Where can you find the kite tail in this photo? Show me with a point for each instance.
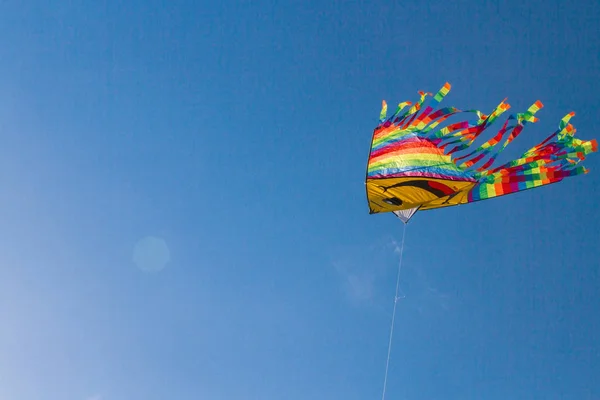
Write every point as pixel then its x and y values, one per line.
pixel 514 126
pixel 552 160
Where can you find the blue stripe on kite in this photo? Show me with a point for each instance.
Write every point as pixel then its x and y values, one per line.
pixel 442 172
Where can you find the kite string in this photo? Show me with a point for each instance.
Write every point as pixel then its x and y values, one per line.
pixel 387 363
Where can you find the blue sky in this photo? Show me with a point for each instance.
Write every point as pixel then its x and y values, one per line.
pixel 236 133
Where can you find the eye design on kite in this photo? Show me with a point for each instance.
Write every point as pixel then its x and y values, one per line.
pixel 393 201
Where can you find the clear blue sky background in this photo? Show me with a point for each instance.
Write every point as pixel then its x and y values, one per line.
pixel 238 132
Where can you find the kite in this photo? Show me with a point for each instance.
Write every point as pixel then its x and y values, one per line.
pixel 414 165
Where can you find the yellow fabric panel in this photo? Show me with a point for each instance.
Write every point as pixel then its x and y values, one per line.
pixel 392 194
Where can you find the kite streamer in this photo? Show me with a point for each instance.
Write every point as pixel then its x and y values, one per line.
pixel 413 163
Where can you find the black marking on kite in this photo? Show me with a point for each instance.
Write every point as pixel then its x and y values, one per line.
pixel 418 184
pixel 393 201
pixel 450 197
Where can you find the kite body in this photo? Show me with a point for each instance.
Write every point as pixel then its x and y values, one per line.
pixel 414 165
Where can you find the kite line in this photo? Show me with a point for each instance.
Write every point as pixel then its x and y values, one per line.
pixel 387 363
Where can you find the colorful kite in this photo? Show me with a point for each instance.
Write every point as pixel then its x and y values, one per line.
pixel 413 166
